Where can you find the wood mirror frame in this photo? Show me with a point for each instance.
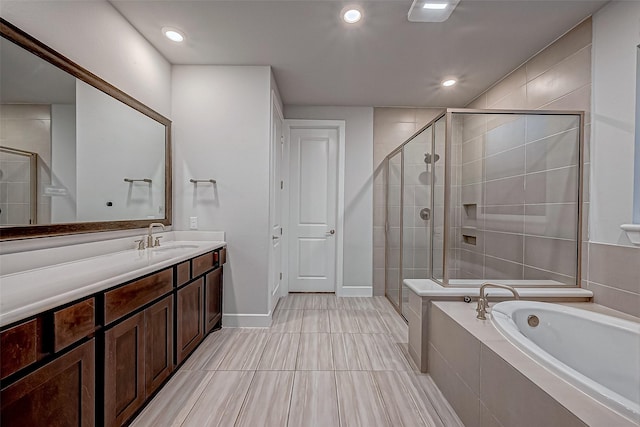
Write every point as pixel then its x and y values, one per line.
pixel 30 44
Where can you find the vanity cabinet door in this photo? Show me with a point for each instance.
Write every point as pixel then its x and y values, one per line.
pixel 158 361
pixel 213 299
pixel 124 379
pixel 190 320
pixel 61 393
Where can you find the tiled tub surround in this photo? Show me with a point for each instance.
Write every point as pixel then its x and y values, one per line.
pixel 422 292
pixel 35 281
pixel 562 339
pixel 472 363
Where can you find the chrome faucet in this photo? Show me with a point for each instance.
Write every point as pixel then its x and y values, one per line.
pixel 150 241
pixel 483 302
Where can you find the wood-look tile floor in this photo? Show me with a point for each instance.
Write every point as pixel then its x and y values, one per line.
pixel 325 362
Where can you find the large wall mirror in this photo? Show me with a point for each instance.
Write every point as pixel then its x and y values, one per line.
pixel 76 154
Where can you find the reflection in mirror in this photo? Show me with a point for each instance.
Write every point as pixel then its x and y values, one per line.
pixel 74 149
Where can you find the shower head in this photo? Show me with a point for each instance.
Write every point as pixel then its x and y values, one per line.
pixel 428 158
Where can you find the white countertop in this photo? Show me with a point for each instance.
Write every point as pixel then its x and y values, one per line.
pixel 29 292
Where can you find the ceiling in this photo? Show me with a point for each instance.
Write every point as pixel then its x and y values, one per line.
pixel 384 60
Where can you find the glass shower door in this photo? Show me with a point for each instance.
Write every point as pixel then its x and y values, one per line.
pixel 418 160
pixel 393 228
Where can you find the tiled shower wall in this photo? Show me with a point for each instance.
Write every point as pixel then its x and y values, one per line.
pixel 515 215
pixel 391 127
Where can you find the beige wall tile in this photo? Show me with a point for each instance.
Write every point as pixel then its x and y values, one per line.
pixel 609 265
pixel 574 40
pixel 507 246
pixel 540 127
pixel 554 186
pixel 553 152
pixel 627 302
pixel 506 164
pixel 507 85
pixel 552 220
pixel 525 405
pixel 509 134
pixel 551 254
pixel 507 191
pixel 513 101
pixel 465 403
pixel 499 269
pixel 567 76
pixel 578 100
pixel 394 115
pixel 457 347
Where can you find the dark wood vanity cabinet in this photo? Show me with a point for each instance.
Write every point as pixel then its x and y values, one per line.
pixel 213 299
pixel 142 330
pixel 190 318
pixel 138 358
pixel 60 393
pixel 124 370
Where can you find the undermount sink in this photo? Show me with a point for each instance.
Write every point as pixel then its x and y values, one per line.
pixel 173 248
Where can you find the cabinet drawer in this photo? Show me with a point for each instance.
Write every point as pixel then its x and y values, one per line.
pixel 202 264
pixel 124 300
pixel 20 346
pixel 73 323
pixel 223 256
pixel 183 273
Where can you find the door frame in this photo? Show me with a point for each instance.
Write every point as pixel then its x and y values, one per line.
pixel 274 296
pixel 340 127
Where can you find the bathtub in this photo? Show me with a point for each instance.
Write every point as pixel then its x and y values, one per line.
pixel 598 354
pixel 422 292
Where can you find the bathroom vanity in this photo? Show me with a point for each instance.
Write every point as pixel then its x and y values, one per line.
pixel 93 354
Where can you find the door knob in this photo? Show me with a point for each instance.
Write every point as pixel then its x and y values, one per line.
pixel 275 237
pixel 332 232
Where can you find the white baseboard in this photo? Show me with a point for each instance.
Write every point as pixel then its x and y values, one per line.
pixel 247 320
pixel 355 291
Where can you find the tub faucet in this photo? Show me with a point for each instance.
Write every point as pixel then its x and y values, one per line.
pixel 483 302
pixel 150 242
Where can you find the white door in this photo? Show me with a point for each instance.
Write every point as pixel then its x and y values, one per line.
pixel 275 203
pixel 313 209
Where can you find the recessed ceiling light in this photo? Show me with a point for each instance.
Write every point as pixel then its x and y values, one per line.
pixel 352 16
pixel 434 6
pixel 448 82
pixel 173 34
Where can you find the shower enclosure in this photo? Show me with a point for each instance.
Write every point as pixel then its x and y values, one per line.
pixel 486 195
pixel 18 186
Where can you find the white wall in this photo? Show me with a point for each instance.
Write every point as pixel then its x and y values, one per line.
pixel 221 131
pixel 616 35
pixel 63 161
pixel 358 188
pixel 95 35
pixel 115 142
